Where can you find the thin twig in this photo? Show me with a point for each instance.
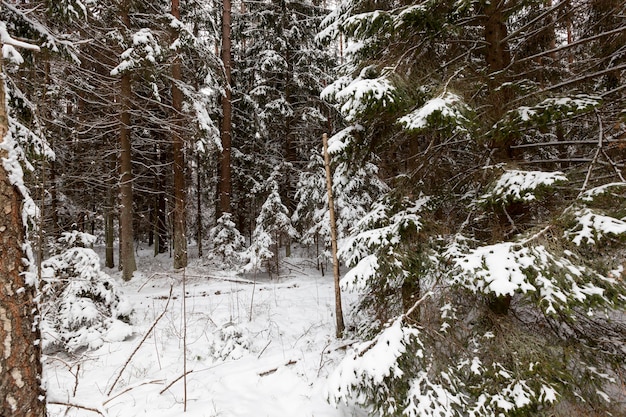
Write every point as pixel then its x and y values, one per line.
pixel 175 381
pixel 263 350
pixel 142 340
pixel 130 388
pixel 535 236
pixel 509 217
pixel 319 368
pixel 595 157
pixel 82 407
pixel 417 303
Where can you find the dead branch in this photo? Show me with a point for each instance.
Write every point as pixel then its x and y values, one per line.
pixel 175 381
pixel 82 407
pixel 154 381
pixel 271 371
pixel 141 342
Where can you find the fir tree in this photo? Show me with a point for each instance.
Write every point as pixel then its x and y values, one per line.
pixel 477 297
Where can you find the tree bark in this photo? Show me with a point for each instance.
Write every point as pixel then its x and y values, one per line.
pixel 225 183
pixel 109 216
pixel 127 258
pixel 497 58
pixel 199 207
pixel 333 241
pixel 20 364
pixel 180 238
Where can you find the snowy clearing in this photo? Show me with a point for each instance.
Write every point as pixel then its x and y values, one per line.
pixel 274 365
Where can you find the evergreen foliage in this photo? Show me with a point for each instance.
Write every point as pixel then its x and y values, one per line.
pixel 82 306
pixel 227 241
pixel 477 292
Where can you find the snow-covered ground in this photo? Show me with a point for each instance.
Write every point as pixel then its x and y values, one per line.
pixel 263 349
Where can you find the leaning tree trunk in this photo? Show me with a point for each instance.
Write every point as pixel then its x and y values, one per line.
pixel 180 238
pixel 20 366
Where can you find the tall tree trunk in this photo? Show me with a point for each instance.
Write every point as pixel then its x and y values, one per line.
pixel 127 257
pixel 225 184
pixel 333 241
pixel 497 58
pixel 180 238
pixel 54 201
pixel 160 226
pixel 109 215
pixel 199 206
pixel 20 366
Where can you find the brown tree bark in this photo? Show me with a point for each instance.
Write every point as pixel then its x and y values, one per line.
pixel 20 366
pixel 225 183
pixel 180 238
pixel 199 207
pixel 497 58
pixel 127 254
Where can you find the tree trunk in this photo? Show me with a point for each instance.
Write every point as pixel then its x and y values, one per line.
pixel 225 184
pixel 127 258
pixel 180 238
pixel 199 207
pixel 109 216
pixel 20 366
pixel 333 241
pixel 497 58
pixel 160 225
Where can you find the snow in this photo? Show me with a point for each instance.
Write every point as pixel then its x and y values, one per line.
pixel 342 139
pixel 447 105
pixel 515 185
pixel 603 189
pixel 567 105
pixel 497 268
pixel 371 362
pixel 6 39
pixel 145 51
pixel 275 365
pixel 591 227
pixel 356 96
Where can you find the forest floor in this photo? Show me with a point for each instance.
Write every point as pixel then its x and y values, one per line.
pixel 253 349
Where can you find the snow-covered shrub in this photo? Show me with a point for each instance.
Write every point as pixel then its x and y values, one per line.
pixel 82 306
pixel 227 241
pixel 228 342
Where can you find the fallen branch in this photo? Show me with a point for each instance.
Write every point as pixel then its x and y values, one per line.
pixel 82 407
pixel 263 350
pixel 174 381
pixel 271 371
pixel 119 375
pixel 130 388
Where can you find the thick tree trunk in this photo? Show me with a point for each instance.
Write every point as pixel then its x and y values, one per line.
pixel 497 58
pixel 180 238
pixel 127 257
pixel 20 366
pixel 225 184
pixel 333 241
